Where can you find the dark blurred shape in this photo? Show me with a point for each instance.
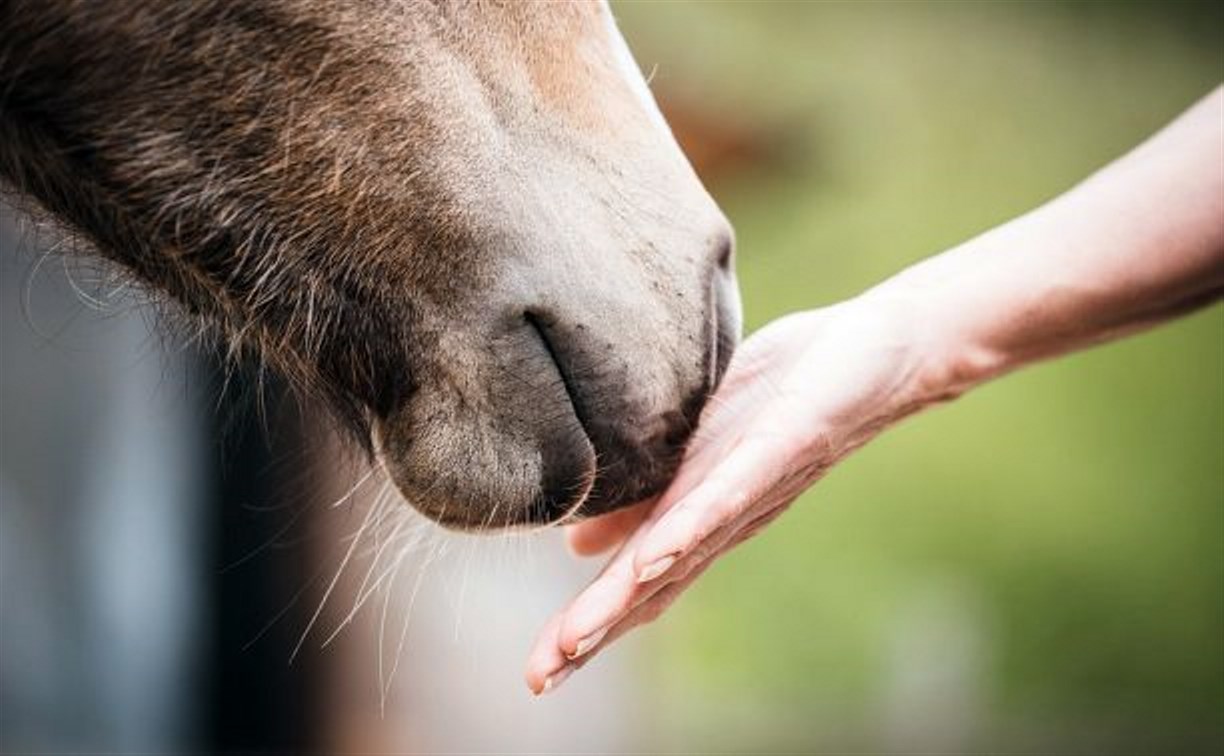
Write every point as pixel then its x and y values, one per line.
pixel 262 579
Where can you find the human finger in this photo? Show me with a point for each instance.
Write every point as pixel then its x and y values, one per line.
pixel 599 534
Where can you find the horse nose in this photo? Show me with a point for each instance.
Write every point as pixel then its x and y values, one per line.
pixel 640 414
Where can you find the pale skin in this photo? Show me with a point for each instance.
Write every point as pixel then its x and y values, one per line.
pixel 1138 243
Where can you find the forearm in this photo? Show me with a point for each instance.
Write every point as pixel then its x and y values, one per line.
pixel 1137 243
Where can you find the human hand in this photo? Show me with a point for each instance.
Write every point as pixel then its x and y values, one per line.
pixel 810 388
pixel 799 395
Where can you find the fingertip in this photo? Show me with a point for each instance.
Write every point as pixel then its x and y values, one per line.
pixel 574 626
pixel 544 658
pixel 650 570
pixel 539 667
pixel 553 681
pixel 534 681
pixel 670 539
pixel 595 609
pixel 569 638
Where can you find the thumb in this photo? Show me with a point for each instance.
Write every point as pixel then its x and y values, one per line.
pixel 599 534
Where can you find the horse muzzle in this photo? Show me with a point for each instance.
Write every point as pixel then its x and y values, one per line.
pixel 576 401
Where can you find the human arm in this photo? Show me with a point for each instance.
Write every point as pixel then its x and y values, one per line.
pixel 1137 243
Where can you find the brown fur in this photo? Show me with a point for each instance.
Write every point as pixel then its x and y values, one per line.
pixel 332 187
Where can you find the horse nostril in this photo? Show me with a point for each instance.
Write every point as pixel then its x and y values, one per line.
pixel 567 454
pixel 725 250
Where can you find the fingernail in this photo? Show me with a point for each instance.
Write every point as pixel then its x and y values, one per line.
pixel 589 642
pixel 553 681
pixel 656 568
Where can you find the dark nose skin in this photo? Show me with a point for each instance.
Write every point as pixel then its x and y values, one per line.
pixel 633 463
pixel 567 477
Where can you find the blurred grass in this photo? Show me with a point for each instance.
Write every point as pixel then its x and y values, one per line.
pixel 1067 522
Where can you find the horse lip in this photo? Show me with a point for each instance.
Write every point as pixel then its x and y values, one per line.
pixel 536 322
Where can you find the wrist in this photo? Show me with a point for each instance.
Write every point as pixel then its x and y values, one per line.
pixel 944 315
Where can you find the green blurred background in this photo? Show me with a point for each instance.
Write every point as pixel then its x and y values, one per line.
pixel 1039 566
